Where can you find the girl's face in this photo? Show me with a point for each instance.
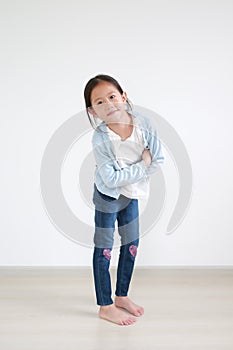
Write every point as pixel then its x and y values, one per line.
pixel 107 103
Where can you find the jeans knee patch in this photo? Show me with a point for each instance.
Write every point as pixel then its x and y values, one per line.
pixel 107 253
pixel 133 250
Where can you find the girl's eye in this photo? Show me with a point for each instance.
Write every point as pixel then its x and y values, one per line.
pixel 112 96
pixel 98 103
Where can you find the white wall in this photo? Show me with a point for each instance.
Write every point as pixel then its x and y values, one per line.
pixel 174 57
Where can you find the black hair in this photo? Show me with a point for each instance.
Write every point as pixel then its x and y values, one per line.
pixel 91 84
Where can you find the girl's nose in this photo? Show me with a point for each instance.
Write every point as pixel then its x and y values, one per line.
pixel 108 104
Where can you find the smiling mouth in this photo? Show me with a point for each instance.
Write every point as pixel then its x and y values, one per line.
pixel 115 110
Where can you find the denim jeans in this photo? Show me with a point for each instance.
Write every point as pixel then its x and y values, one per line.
pixel 107 211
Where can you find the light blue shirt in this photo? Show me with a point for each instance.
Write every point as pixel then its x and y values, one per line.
pixel 109 176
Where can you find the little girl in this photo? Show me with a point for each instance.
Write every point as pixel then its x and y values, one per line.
pixel 126 150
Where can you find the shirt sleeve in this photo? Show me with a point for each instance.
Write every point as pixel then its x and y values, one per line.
pixel 154 145
pixel 112 174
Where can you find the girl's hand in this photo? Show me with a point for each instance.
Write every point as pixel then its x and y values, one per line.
pixel 146 156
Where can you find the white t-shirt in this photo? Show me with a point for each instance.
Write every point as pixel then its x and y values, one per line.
pixel 128 152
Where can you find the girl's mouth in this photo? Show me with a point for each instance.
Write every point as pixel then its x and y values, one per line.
pixel 110 113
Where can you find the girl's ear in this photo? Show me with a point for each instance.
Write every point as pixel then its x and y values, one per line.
pixel 92 112
pixel 124 96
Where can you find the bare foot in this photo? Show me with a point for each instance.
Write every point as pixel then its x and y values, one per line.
pixel 126 303
pixel 113 314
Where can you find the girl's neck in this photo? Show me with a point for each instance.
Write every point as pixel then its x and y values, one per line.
pixel 125 122
pixel 124 128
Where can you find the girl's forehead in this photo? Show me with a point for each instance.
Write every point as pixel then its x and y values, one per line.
pixel 104 85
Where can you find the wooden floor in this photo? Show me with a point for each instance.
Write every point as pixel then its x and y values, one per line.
pixel 54 308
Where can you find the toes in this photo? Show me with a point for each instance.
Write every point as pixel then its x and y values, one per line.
pixel 140 312
pixel 129 321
